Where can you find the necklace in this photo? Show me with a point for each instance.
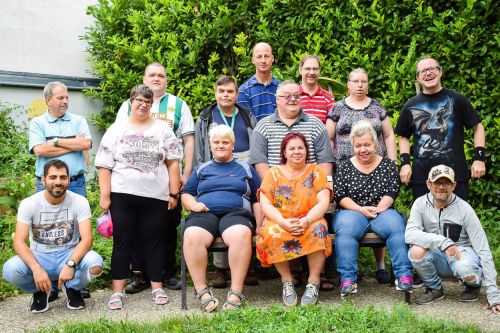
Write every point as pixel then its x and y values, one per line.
pixel 223 116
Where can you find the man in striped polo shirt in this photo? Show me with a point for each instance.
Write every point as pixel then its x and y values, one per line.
pixel 258 93
pixel 175 112
pixel 288 117
pixel 314 99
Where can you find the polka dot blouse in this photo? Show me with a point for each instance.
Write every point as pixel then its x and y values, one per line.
pixel 366 189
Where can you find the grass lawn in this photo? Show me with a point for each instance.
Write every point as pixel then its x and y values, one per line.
pixel 275 319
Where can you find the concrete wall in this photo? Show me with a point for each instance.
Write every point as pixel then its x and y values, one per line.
pixel 43 37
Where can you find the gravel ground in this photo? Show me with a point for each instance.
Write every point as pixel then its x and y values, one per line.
pixel 139 307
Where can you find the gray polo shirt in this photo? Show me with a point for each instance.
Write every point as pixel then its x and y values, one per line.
pixel 270 131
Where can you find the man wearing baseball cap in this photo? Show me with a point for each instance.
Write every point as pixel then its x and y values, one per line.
pixel 447 240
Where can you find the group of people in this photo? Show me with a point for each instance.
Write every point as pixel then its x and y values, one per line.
pixel 259 161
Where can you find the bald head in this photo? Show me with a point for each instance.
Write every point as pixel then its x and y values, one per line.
pixel 262 58
pixel 262 46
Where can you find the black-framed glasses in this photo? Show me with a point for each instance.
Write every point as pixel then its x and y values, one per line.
pixel 431 70
pixel 289 97
pixel 442 184
pixel 141 101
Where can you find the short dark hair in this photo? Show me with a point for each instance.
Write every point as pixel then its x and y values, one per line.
pixel 58 164
pixel 225 79
pixel 286 139
pixel 141 90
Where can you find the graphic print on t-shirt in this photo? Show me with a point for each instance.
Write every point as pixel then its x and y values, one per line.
pixel 141 152
pixel 54 228
pixel 433 125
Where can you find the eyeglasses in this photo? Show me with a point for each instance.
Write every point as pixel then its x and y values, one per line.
pixel 142 101
pixel 310 69
pixel 442 184
pixel 357 82
pixel 431 70
pixel 289 97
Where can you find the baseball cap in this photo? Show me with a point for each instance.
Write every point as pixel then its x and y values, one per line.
pixel 440 171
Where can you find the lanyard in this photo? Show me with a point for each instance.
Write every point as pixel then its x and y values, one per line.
pixel 224 117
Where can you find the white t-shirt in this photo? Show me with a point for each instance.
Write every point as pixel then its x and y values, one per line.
pixel 53 227
pixel 181 124
pixel 137 158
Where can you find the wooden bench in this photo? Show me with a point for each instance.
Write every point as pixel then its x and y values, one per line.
pixel 370 239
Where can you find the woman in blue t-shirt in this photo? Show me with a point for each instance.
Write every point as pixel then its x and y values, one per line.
pixel 220 194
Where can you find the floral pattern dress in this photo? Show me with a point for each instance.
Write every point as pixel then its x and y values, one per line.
pixel 293 198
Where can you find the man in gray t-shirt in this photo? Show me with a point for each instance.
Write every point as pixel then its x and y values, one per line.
pixel 57 223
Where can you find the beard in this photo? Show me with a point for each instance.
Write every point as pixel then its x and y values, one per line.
pixel 56 191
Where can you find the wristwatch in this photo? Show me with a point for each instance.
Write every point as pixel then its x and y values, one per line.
pixel 174 195
pixel 55 141
pixel 71 263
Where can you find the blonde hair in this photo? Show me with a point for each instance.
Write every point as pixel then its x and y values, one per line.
pixel 361 128
pixel 221 131
pixel 358 70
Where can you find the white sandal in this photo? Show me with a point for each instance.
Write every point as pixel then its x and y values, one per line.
pixel 159 296
pixel 116 301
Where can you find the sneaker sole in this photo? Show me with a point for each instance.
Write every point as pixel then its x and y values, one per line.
pixel 468 300
pixel 67 300
pixel 290 305
pixel 430 302
pixel 43 310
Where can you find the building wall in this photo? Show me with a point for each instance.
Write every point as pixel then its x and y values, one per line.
pixel 43 37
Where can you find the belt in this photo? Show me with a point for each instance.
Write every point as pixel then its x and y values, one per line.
pixel 71 179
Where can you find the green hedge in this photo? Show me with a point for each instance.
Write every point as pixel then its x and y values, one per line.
pixel 199 41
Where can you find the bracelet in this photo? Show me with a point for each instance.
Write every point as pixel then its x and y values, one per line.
pixel 405 159
pixel 479 154
pixel 174 195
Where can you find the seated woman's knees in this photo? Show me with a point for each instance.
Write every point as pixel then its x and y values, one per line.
pixel 417 252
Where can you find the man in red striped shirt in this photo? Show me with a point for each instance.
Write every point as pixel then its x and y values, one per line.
pixel 314 99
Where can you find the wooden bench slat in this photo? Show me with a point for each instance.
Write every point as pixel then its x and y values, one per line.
pixel 370 238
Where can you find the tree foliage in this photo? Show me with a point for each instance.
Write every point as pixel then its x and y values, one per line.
pixel 198 41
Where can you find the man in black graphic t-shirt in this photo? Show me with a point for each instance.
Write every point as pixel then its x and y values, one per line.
pixel 436 118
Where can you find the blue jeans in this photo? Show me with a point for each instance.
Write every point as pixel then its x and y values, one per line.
pixel 17 273
pixel 76 186
pixel 350 226
pixel 435 264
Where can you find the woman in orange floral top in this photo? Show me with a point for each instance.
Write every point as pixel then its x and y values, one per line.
pixel 294 197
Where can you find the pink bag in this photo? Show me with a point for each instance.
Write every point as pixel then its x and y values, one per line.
pixel 104 225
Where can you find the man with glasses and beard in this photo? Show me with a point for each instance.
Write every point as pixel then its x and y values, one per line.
pixel 447 240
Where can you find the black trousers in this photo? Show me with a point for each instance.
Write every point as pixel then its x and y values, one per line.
pixel 138 220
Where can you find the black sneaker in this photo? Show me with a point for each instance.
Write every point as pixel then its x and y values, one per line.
pixel 74 298
pixel 470 294
pixel 173 283
pixel 85 292
pixel 417 281
pixel 39 302
pixel 382 276
pixel 54 294
pixel 137 285
pixel 430 296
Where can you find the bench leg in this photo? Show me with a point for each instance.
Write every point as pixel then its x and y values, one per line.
pixel 408 297
pixel 183 271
